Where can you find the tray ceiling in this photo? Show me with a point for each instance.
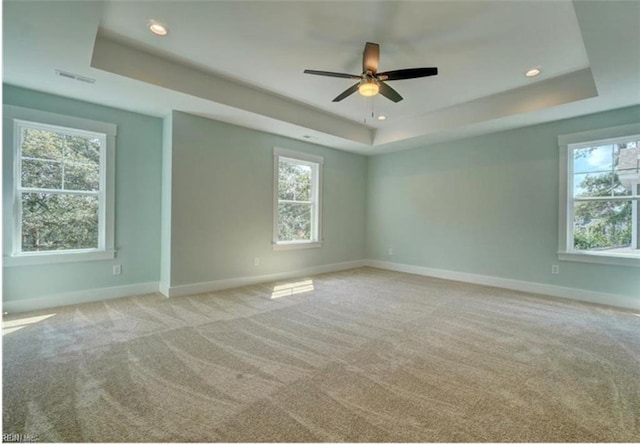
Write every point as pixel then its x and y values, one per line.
pixel 242 62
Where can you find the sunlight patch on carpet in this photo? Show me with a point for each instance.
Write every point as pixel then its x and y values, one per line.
pixel 17 324
pixel 292 288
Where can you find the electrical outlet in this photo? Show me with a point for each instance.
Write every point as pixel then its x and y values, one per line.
pixel 117 269
pixel 555 269
pixel 390 251
pixel 256 261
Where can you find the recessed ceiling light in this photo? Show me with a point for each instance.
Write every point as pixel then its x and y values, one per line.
pixel 157 28
pixel 382 117
pixel 307 136
pixel 533 72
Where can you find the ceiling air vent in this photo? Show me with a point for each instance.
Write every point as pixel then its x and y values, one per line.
pixel 70 75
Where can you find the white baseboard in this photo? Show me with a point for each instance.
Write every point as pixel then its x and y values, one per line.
pixel 513 284
pixel 78 297
pixel 163 287
pixel 223 284
pixel 98 294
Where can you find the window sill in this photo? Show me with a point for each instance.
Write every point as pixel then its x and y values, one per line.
pixel 295 245
pixel 599 258
pixel 57 257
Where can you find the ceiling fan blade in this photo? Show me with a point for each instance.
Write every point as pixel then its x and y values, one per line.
pixel 389 92
pixel 411 73
pixel 371 57
pixel 347 93
pixel 331 74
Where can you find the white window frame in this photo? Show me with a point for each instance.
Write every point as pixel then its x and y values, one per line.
pixel 567 143
pixel 15 118
pixel 316 163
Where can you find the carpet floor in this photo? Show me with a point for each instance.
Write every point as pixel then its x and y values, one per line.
pixel 362 356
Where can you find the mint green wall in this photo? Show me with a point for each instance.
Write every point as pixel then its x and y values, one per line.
pixel 222 203
pixel 486 205
pixel 137 224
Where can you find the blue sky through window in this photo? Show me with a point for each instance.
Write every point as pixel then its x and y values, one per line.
pixel 592 161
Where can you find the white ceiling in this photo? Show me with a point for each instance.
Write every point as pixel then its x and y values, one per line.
pixel 242 62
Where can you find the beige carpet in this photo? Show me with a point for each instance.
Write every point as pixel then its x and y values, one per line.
pixel 360 355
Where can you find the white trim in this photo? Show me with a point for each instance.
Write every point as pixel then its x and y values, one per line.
pixel 602 135
pixel 316 164
pixel 110 193
pixel 565 229
pixel 106 132
pixel 513 284
pixel 78 297
pixel 163 288
pixel 598 258
pixel 567 143
pixel 99 294
pixel 223 284
pixel 63 120
pixel 281 152
pixel 56 257
pixel 280 246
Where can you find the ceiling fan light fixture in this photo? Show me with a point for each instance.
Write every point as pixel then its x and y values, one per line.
pixel 157 28
pixel 368 88
pixel 371 82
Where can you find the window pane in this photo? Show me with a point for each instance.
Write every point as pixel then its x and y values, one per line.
pixel 602 225
pixel 81 176
pixel 41 144
pixel 599 185
pixel 59 222
pixel 41 173
pixel 82 149
pixel 294 181
pixel 41 156
pixel 593 159
pixel 628 165
pixel 294 221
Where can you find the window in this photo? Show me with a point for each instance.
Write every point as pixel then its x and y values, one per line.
pixel 62 188
pixel 601 177
pixel 297 200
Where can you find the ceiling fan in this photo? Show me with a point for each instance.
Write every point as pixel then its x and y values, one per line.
pixel 371 82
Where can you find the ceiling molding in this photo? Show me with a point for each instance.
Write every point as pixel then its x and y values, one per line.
pixel 113 55
pixel 548 93
pixel 242 63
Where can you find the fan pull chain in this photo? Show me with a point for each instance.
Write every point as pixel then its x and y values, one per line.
pixel 372 111
pixel 365 110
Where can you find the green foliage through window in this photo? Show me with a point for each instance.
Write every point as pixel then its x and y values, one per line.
pixel 59 221
pixel 295 201
pixel 603 178
pixel 59 189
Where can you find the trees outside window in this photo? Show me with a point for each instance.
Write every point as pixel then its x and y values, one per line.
pixel 63 188
pixel 59 188
pixel 604 204
pixel 603 191
pixel 297 199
